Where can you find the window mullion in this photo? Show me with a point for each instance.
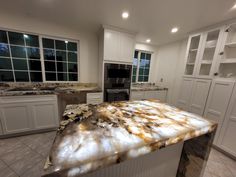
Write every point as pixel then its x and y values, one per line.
pixel 138 64
pixel 9 46
pixel 42 58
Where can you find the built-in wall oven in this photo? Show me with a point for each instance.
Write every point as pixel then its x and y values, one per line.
pixel 117 81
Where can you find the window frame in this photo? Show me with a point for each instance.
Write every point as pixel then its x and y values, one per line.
pixel 138 64
pixel 41 59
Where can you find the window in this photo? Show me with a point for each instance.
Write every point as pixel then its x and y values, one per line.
pixel 19 57
pixel 141 66
pixel 60 60
pixel 21 60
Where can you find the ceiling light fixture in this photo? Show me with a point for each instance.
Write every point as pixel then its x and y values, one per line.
pixel 66 42
pixel 26 36
pixel 148 40
pixel 125 15
pixel 234 6
pixel 174 30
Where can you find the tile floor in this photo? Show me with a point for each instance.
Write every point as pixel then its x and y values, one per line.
pixel 25 157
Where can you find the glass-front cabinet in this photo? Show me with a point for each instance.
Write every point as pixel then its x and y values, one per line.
pixel 227 61
pixel 203 53
pixel 192 54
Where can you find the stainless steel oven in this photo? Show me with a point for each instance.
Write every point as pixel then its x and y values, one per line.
pixel 117 81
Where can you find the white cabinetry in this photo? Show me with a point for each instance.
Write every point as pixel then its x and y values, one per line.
pixel 155 94
pixel 227 136
pixel 94 98
pixel 26 113
pixel 193 95
pixel 118 46
pixel 217 103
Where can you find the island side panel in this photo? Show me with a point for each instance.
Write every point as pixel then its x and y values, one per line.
pixel 194 156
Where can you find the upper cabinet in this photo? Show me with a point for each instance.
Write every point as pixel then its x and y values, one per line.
pixel 118 46
pixel 202 53
pixel 226 67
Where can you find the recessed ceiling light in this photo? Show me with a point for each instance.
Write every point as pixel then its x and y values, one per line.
pixel 66 42
pixel 174 30
pixel 234 6
pixel 125 15
pixel 148 40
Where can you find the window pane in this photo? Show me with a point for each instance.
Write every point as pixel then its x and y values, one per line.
pixel 36 76
pixel 16 38
pixel 4 50
pixel 48 43
pixel 49 66
pixel 18 52
pixel 147 63
pixel 145 79
pixel 51 76
pixel 134 71
pixel 3 36
pixel 140 78
pixel 134 79
pixel 33 53
pixel 31 40
pixel 135 62
pixel 61 67
pixel 20 64
pixel 60 45
pixel 6 76
pixel 146 72
pixel 136 54
pixel 62 76
pixel 72 57
pixel 34 65
pixel 21 76
pixel 72 67
pixel 72 46
pixel 148 56
pixel 142 55
pixel 5 63
pixel 49 54
pixel 61 56
pixel 142 63
pixel 73 77
pixel 141 71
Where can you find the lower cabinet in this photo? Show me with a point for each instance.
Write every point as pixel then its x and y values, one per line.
pixel 227 140
pixel 217 103
pixel 157 94
pixel 27 113
pixel 94 98
pixel 193 95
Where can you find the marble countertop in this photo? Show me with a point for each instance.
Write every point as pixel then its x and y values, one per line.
pixel 19 89
pixel 92 137
pixel 147 87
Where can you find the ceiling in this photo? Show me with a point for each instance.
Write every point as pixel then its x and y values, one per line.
pixel 149 18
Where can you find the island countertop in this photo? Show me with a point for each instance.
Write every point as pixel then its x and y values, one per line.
pixel 92 137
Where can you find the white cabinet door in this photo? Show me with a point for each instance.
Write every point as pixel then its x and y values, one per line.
pixel 15 118
pixel 185 94
pixel 45 115
pixel 227 135
pixel 137 95
pixel 217 103
pixel 111 45
pixel 126 47
pixel 200 92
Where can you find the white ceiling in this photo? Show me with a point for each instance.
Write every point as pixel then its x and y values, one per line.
pixel 149 18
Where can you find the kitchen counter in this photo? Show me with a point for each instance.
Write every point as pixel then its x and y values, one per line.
pixel 19 89
pixel 93 137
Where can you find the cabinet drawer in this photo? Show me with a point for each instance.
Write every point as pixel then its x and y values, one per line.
pixel 24 99
pixel 94 98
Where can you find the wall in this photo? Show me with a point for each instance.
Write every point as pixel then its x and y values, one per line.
pixel 153 49
pixel 170 67
pixel 88 41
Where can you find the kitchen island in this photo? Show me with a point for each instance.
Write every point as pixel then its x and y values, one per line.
pixel 94 137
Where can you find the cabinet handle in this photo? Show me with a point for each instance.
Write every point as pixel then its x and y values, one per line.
pixel 227 30
pixel 216 74
pixel 221 53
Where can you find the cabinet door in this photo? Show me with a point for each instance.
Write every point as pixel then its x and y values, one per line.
pixel 111 45
pixel 217 103
pixel 227 135
pixel 185 93
pixel 45 115
pixel 15 118
pixel 126 47
pixel 199 96
pixel 137 95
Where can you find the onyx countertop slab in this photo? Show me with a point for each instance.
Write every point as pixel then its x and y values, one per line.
pixel 93 137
